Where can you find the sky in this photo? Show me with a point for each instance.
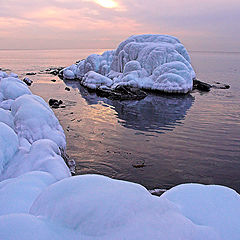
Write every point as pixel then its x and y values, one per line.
pixel 201 25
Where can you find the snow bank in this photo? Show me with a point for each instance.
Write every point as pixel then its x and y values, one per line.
pixel 39 200
pixel 30 135
pixel 154 62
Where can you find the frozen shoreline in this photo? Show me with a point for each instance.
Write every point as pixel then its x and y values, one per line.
pixel 90 206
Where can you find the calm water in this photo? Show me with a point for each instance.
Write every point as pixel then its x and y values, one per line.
pixel 192 138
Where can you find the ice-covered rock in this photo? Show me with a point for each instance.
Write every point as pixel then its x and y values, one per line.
pixel 34 120
pixel 42 155
pixel 31 136
pixel 153 62
pixel 97 207
pixel 8 145
pixel 215 206
pixel 12 88
pixel 18 194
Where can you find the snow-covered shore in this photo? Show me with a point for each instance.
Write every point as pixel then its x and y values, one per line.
pixel 151 62
pixel 40 200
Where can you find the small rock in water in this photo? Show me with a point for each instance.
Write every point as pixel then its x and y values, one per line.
pixel 220 85
pixel 53 80
pixel 53 70
pixel 201 86
pixel 139 164
pixel 28 81
pixel 54 103
pixel 67 88
pixel 31 73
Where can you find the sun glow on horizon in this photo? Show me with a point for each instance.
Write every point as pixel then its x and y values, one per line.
pixel 106 3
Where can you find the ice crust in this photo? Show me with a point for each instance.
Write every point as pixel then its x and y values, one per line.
pixel 41 201
pixel 152 62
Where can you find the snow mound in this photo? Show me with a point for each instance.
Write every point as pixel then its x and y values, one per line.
pixel 34 120
pixel 153 62
pixel 30 135
pixel 215 206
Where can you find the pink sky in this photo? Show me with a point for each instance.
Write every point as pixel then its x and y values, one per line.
pixel 46 24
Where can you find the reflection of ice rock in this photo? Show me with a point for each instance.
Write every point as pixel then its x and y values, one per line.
pixel 153 113
pixel 155 62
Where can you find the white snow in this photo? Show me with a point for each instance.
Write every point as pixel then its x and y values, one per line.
pixel 39 200
pixel 155 62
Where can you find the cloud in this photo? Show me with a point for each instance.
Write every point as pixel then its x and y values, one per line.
pixel 83 23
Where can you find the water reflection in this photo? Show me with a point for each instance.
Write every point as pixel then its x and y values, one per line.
pixel 154 113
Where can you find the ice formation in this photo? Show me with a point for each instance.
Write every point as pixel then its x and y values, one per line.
pixel 152 62
pixel 40 200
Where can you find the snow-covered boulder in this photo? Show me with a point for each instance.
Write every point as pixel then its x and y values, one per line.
pixel 12 88
pixel 153 62
pixel 30 134
pixel 97 207
pixel 34 120
pixel 8 145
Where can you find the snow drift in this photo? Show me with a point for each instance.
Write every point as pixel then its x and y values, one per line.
pixel 152 62
pixel 39 200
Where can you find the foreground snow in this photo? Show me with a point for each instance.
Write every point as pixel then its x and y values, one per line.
pixel 153 62
pixel 39 200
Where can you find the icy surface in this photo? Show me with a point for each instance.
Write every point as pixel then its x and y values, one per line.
pixel 154 62
pixel 39 200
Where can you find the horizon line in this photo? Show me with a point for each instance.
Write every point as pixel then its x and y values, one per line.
pixel 51 49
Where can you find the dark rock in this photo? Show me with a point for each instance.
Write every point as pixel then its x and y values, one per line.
pixel 70 162
pixel 53 80
pixel 54 70
pixel 31 73
pixel 121 93
pixel 67 88
pixel 28 81
pixel 201 86
pixel 54 103
pixel 220 85
pixel 139 164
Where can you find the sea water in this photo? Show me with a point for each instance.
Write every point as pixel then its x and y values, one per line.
pixel 159 141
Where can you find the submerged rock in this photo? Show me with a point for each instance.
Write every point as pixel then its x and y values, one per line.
pixel 220 85
pixel 148 62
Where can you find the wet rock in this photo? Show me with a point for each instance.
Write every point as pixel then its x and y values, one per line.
pixel 53 80
pixel 121 93
pixel 31 73
pixel 220 85
pixel 28 81
pixel 67 88
pixel 201 86
pixel 139 164
pixel 54 103
pixel 53 70
pixel 70 162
